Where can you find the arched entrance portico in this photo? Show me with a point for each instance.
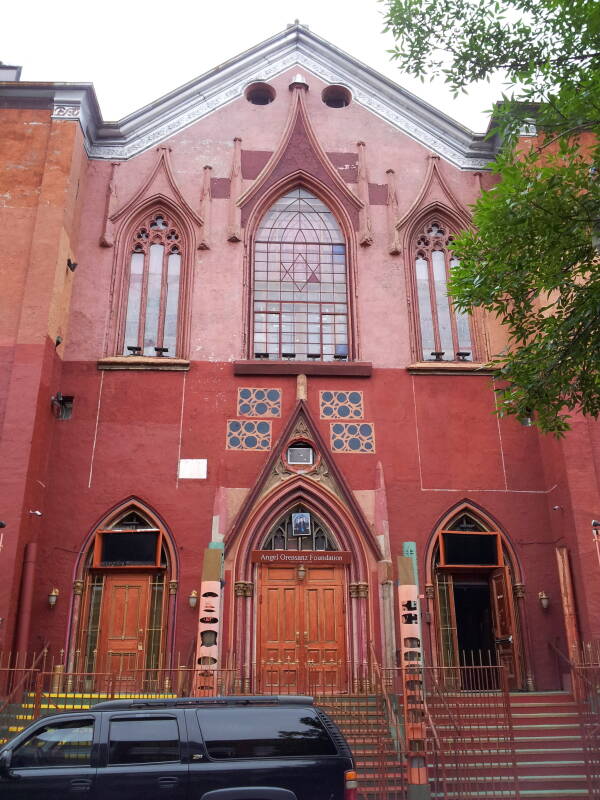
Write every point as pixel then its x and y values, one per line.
pixel 302 605
pixel 472 575
pixel 123 607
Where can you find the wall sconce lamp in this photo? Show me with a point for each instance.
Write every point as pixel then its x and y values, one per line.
pixel 193 599
pixel 53 597
pixel 301 572
pixel 544 600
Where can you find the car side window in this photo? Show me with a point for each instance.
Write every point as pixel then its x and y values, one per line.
pixel 263 733
pixel 143 741
pixel 62 744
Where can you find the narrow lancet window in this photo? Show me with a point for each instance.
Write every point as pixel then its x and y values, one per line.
pixel 152 305
pixel 445 332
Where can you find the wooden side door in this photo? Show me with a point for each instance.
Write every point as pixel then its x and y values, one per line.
pixel 123 625
pixel 505 629
pixel 324 630
pixel 279 639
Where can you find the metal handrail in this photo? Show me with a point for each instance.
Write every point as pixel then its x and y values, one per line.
pixel 18 687
pixel 578 671
pixel 399 738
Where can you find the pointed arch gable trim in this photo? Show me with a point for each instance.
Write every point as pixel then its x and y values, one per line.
pixel 253 503
pixel 446 201
pixel 163 162
pixel 467 506
pixel 298 126
pixel 333 513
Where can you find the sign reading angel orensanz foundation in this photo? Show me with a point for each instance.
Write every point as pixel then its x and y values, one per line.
pixel 301 557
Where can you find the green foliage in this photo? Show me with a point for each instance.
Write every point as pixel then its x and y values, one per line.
pixel 533 257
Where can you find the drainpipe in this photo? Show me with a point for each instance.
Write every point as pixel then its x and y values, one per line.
pixel 26 599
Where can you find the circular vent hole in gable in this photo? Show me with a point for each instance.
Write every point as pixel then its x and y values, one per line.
pixel 260 94
pixel 336 96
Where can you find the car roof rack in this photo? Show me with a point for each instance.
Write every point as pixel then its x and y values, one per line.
pixel 218 700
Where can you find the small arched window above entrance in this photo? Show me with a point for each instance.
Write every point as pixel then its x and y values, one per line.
pixel 299 529
pixel 130 541
pixel 466 542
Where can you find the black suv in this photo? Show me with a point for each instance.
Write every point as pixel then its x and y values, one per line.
pixel 220 748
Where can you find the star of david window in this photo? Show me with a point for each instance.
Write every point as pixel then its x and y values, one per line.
pixel 300 300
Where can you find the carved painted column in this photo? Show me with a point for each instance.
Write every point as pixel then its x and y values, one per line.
pixel 519 594
pixel 243 593
pixel 359 593
pixel 74 627
pixel 171 622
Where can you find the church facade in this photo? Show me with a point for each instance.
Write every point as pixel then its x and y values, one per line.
pixel 234 391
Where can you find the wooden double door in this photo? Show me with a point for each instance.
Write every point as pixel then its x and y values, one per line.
pixel 477 622
pixel 302 630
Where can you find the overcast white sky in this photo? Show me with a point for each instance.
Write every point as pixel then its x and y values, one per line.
pixel 134 52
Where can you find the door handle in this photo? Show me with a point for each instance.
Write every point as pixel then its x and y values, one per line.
pixel 81 784
pixel 168 782
pixel 306 636
pixel 297 637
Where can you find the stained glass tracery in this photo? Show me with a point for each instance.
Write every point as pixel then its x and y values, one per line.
pixel 300 282
pixel 445 331
pixel 282 537
pixel 152 305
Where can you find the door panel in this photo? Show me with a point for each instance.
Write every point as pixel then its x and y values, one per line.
pixel 123 625
pixel 53 762
pixel 145 757
pixel 302 638
pixel 503 616
pixel 279 645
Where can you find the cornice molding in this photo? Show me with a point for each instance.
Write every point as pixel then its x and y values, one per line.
pixel 294 47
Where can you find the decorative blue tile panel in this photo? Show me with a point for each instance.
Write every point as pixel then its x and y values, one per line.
pixel 350 437
pixel 259 402
pixel 246 435
pixel 341 405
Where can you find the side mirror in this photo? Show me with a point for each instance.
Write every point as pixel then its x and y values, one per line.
pixel 5 761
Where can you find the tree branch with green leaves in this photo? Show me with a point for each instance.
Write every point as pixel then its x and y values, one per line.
pixel 533 256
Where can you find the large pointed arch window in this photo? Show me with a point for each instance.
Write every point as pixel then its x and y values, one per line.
pixel 152 291
pixel 300 290
pixel 445 333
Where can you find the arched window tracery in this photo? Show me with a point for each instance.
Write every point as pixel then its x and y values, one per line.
pixel 300 286
pixel 152 288
pixel 445 333
pixel 299 529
